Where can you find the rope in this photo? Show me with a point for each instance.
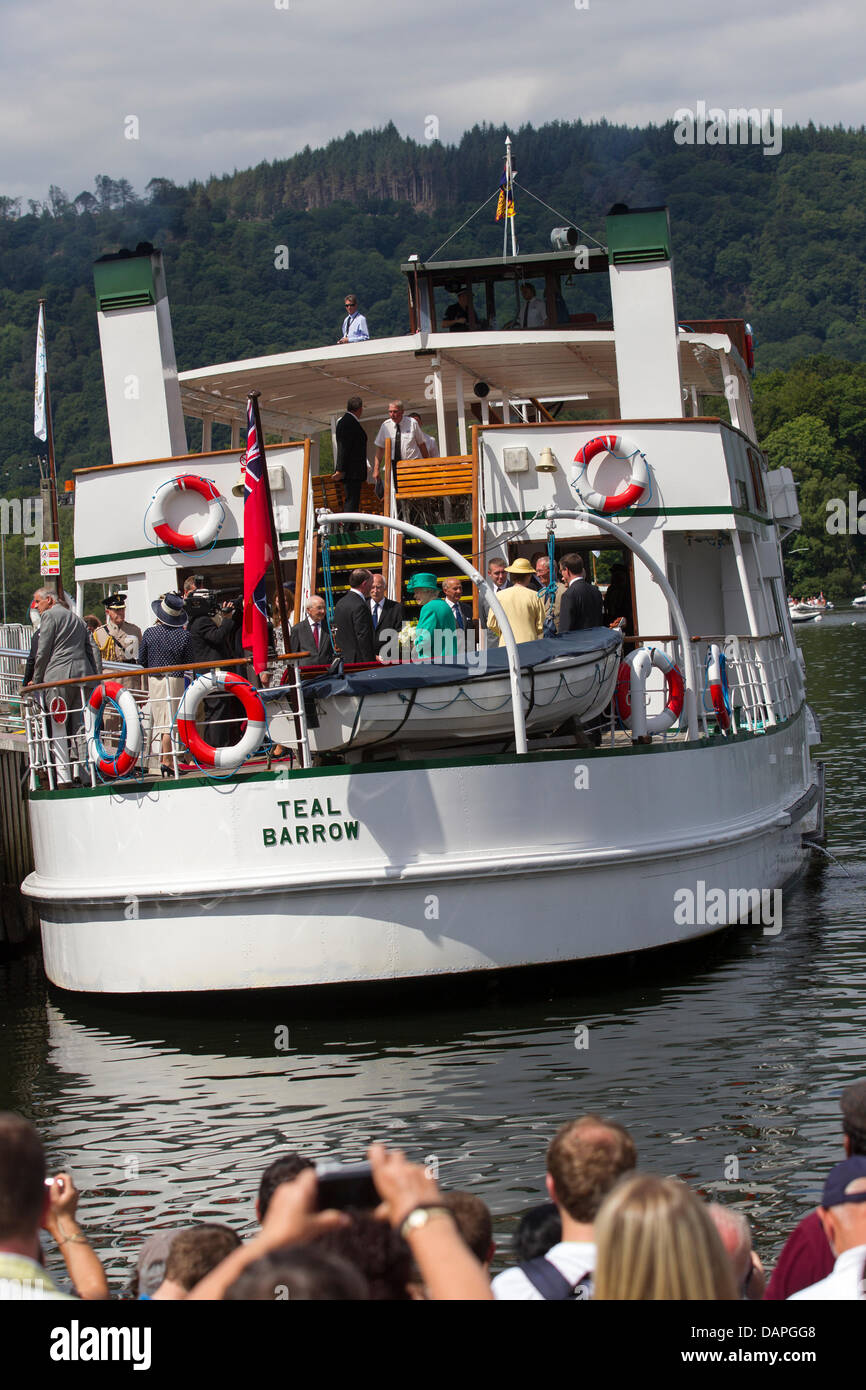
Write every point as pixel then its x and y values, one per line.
pixel 465 224
pixel 557 214
pixel 329 589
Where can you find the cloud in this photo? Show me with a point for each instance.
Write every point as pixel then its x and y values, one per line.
pixel 228 83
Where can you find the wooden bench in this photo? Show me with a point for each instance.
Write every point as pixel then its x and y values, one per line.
pixel 445 477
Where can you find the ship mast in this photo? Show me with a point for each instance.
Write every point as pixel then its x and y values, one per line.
pixel 509 202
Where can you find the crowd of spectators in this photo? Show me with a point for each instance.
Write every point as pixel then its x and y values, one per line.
pixel 609 1232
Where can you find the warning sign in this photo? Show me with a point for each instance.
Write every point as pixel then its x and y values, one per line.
pixel 49 557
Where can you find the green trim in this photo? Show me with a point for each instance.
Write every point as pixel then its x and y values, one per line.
pixel 644 511
pixel 167 550
pixel 558 755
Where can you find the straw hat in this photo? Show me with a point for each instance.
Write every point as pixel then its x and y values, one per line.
pixel 521 566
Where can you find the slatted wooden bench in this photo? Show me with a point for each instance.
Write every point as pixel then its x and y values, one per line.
pixel 445 477
pixel 331 494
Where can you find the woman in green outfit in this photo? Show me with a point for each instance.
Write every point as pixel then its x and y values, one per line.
pixel 435 616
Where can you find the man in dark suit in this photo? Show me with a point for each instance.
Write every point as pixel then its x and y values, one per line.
pixel 351 461
pixel 582 604
pixel 498 577
pixel 387 613
pixel 353 622
pixel 311 634
pixel 452 592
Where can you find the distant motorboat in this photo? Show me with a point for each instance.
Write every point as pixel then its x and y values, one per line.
pixel 860 602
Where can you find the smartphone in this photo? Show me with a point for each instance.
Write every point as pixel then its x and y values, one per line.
pixel 348 1185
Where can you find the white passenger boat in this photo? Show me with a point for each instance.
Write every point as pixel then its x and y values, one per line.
pixel 370 856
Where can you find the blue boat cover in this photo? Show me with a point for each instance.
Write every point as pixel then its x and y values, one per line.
pixel 591 641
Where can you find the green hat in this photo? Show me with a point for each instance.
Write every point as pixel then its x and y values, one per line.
pixel 422 581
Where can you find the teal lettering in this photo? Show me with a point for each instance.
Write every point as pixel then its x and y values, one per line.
pixel 302 811
pixel 269 837
pixel 285 838
pixel 332 810
pixel 318 833
pixel 339 829
pixel 316 808
pixel 302 832
pixel 351 828
pixel 283 805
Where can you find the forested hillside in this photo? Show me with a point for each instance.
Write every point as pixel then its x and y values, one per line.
pixel 778 240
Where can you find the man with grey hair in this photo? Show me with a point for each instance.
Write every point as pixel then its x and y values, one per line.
pixel 843 1216
pixel 407 439
pixel 735 1234
pixel 64 650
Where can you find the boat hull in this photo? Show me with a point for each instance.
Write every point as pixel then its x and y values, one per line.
pixel 573 856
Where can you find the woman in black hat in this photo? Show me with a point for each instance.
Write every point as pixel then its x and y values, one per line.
pixel 166 643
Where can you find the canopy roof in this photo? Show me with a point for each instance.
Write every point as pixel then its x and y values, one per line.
pixel 302 391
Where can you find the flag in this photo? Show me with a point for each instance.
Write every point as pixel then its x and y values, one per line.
pixel 258 552
pixel 40 424
pixel 505 205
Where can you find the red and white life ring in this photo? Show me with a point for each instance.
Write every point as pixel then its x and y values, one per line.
pixel 631 691
pixel 717 680
pixel 126 757
pixel 210 527
pixel 638 482
pixel 215 683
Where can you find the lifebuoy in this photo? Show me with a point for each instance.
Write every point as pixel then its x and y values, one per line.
pixel 631 691
pixel 717 679
pixel 214 683
pixel 638 482
pixel 210 527
pixel 128 752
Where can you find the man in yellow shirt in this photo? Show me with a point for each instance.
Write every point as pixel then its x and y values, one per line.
pixel 524 608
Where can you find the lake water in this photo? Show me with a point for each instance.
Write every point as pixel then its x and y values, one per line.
pixel 725 1060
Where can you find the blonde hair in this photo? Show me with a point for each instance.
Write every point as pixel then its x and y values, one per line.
pixel 656 1242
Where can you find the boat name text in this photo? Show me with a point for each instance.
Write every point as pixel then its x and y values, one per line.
pixel 303 809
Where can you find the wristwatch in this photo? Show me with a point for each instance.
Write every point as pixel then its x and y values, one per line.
pixel 420 1216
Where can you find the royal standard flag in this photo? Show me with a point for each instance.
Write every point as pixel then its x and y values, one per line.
pixel 505 205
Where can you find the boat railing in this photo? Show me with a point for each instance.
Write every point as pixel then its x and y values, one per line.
pixel 67 746
pixel 763 685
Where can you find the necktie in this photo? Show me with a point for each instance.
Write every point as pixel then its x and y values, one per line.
pixel 458 615
pixel 377 614
pixel 316 635
pixel 395 453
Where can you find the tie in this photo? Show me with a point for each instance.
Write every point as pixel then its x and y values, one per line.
pixel 395 453
pixel 458 615
pixel 316 635
pixel 525 312
pixel 377 614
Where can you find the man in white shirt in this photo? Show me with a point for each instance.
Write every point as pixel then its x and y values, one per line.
pixel 586 1158
pixel 533 314
pixel 407 441
pixel 843 1216
pixel 354 324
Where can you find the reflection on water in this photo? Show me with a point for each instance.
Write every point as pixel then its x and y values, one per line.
pixel 726 1061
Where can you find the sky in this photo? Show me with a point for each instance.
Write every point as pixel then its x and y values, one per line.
pixel 182 90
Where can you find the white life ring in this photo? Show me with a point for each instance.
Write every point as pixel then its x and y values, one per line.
pixel 210 527
pixel 717 680
pixel 638 482
pixel 127 754
pixel 631 691
pixel 212 683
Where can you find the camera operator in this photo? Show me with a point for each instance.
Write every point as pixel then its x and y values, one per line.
pixel 214 642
